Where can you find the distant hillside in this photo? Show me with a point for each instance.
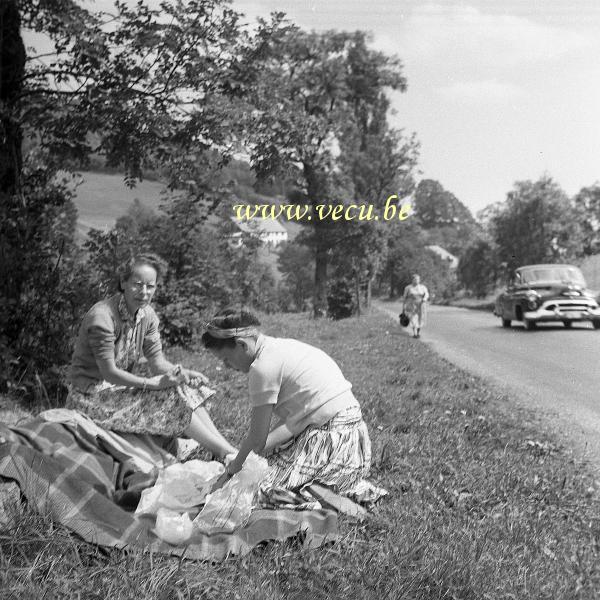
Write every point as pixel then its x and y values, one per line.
pixel 103 198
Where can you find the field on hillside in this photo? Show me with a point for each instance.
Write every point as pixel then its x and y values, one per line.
pixel 103 198
pixel 483 503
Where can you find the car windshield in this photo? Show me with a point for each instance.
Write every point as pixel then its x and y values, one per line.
pixel 558 273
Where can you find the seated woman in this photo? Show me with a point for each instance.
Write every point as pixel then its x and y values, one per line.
pixel 319 435
pixel 113 336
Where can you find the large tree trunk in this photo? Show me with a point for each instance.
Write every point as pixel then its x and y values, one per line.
pixel 317 190
pixel 12 68
pixel 320 295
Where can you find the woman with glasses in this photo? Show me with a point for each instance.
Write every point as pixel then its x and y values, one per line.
pixel 113 337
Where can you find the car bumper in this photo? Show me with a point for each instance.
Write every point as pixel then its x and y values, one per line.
pixel 563 313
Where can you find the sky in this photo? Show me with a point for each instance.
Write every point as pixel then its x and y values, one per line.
pixel 499 91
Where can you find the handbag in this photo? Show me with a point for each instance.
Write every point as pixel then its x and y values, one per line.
pixel 404 320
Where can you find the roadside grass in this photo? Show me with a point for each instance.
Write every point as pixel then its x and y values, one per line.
pixel 482 503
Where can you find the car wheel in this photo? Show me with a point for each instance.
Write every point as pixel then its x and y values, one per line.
pixel 529 325
pixel 596 324
pixel 567 324
pixel 505 322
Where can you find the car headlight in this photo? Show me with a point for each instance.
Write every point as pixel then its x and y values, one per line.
pixel 533 301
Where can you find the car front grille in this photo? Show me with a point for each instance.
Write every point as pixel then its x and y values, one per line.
pixel 572 305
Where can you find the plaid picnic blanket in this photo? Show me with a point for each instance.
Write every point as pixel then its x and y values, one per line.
pixel 85 481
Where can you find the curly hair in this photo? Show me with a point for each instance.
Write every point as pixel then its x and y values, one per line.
pixel 146 258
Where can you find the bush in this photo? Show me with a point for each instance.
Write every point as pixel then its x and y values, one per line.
pixel 45 290
pixel 341 303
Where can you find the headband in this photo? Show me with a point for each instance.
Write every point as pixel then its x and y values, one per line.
pixel 223 334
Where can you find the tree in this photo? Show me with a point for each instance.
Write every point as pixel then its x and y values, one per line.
pixel 12 68
pixel 537 224
pixel 144 88
pixel 305 94
pixel 406 255
pixel 378 162
pixel 478 267
pixel 445 219
pixel 587 204
pixel 296 263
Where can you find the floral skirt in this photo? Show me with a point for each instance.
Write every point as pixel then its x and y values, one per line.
pixel 416 312
pixel 336 454
pixel 165 412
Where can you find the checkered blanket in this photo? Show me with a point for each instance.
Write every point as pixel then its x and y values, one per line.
pixel 91 486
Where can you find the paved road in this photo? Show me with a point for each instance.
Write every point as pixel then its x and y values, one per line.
pixel 553 369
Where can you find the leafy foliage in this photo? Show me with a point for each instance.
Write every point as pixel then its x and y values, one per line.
pixel 340 300
pixel 296 264
pixel 478 267
pixel 143 87
pixel 205 271
pixel 45 285
pixel 533 227
pixel 311 93
pixel 407 254
pixel 446 220
pixel 587 204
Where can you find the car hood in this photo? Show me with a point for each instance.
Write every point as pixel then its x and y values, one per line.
pixel 566 290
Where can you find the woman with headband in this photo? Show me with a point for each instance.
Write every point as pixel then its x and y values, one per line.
pixel 318 434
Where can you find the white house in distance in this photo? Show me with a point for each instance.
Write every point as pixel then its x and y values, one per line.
pixel 270 231
pixel 445 255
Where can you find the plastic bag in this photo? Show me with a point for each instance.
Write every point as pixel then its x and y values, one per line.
pixel 230 506
pixel 181 486
pixel 173 527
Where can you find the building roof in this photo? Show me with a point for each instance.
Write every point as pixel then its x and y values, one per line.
pixel 443 253
pixel 260 226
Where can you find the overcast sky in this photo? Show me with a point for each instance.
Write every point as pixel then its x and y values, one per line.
pixel 498 90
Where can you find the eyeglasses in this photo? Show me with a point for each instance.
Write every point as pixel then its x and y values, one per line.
pixel 139 285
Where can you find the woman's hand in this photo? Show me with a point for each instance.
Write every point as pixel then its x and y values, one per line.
pixel 195 377
pixel 223 479
pixel 163 382
pixel 231 469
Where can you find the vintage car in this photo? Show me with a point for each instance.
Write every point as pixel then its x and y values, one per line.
pixel 547 293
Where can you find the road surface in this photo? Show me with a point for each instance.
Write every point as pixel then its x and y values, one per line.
pixel 551 369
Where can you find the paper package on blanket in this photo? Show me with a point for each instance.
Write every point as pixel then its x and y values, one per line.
pixel 230 506
pixel 173 527
pixel 180 487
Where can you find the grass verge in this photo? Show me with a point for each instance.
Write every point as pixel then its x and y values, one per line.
pixel 481 506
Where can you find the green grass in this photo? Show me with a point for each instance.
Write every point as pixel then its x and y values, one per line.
pixel 483 504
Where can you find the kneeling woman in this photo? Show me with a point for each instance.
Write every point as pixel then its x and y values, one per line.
pixel 114 335
pixel 319 434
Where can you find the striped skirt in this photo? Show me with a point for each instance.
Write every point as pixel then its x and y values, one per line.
pixel 336 454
